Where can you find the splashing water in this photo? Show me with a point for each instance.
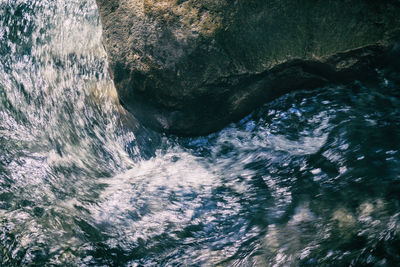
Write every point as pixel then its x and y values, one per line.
pixel 310 179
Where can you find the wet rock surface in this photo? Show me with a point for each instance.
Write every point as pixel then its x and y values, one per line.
pixel 191 67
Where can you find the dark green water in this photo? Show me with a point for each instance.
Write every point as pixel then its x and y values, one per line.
pixel 310 179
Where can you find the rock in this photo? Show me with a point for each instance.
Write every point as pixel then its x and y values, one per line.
pixel 190 67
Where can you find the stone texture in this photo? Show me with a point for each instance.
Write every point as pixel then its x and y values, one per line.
pixel 189 67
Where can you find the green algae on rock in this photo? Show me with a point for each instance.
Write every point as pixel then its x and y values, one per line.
pixel 190 67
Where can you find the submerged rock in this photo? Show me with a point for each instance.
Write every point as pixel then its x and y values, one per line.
pixel 190 67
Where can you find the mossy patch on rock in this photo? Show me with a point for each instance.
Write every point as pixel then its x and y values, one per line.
pixel 203 17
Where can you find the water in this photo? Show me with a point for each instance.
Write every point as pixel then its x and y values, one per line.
pixel 310 179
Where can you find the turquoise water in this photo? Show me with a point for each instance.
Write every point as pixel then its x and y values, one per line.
pixel 310 179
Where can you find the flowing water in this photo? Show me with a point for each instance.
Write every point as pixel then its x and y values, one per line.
pixel 310 179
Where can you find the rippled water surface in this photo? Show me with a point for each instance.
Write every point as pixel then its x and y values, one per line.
pixel 310 179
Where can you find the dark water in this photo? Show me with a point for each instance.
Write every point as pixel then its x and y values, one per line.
pixel 311 179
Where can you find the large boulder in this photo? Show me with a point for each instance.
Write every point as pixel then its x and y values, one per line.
pixel 190 67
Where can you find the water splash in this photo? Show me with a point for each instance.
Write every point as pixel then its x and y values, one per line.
pixel 310 179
